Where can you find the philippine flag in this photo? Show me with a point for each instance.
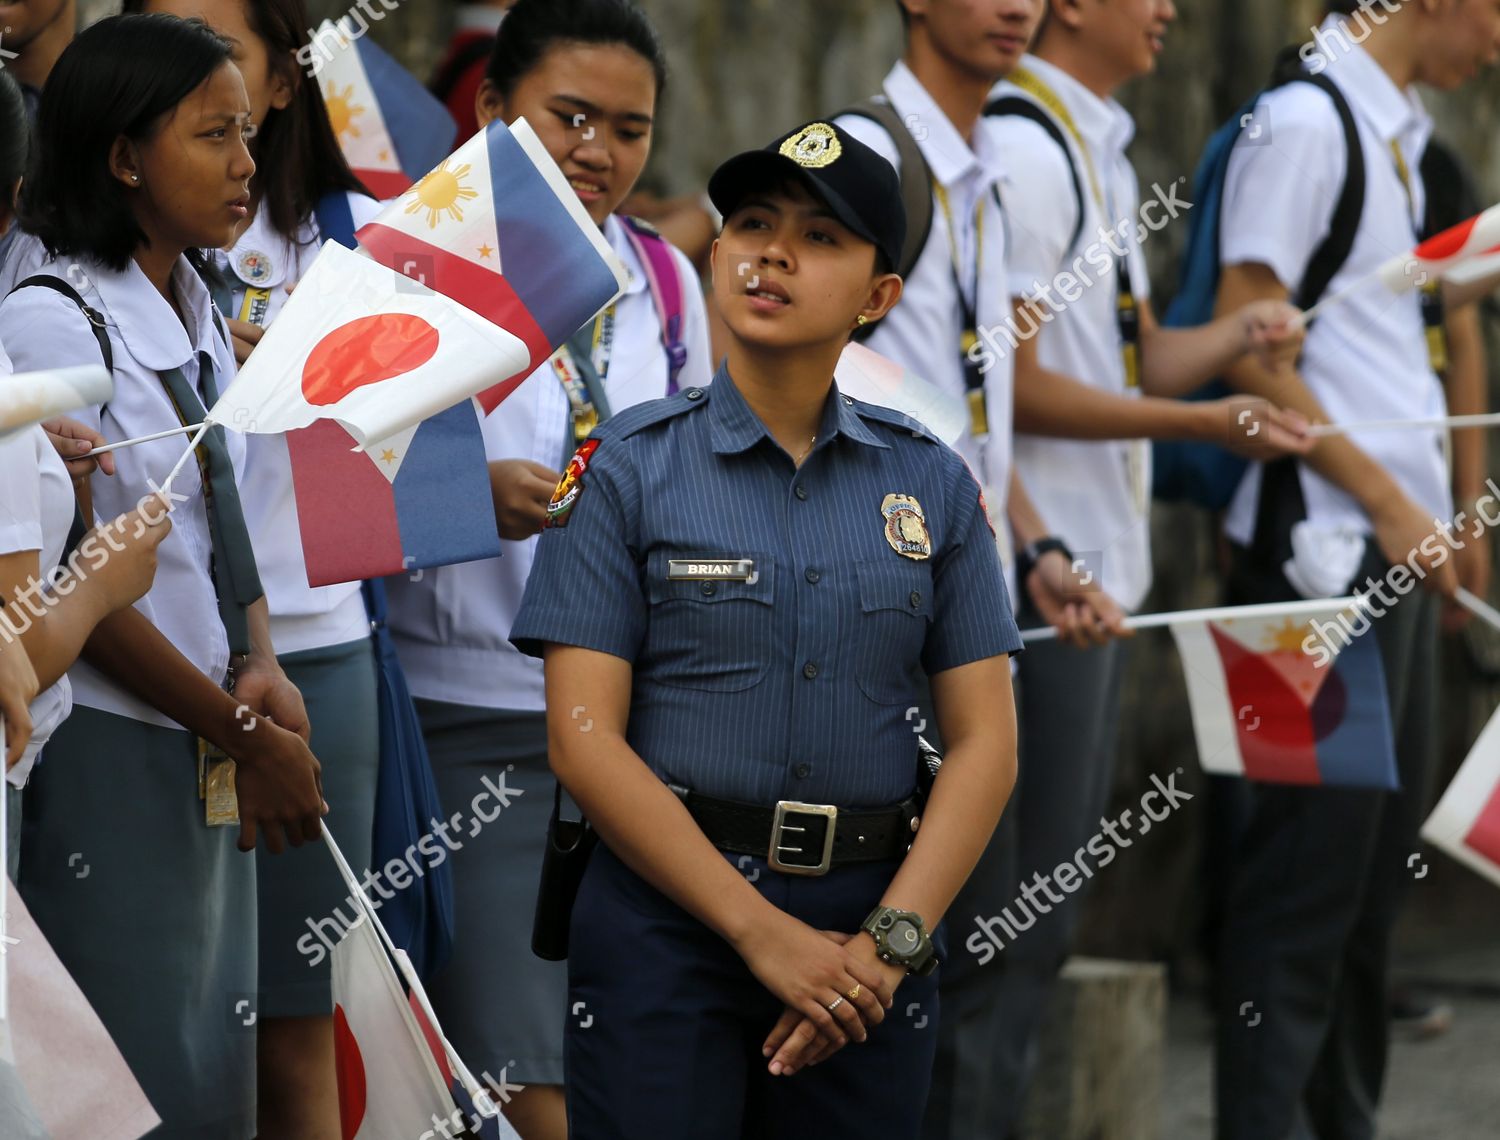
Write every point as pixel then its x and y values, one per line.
pixel 389 472
pixel 497 228
pixel 390 128
pixel 1466 822
pixel 1289 700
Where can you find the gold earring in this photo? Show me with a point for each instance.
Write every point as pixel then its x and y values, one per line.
pixel 861 321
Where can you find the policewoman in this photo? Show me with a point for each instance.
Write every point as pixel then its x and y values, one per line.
pixel 128 850
pixel 588 76
pixel 736 595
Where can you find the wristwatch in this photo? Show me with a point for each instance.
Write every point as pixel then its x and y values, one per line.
pixel 901 939
pixel 1033 551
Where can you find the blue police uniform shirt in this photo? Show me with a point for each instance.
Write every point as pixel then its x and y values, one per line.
pixel 798 679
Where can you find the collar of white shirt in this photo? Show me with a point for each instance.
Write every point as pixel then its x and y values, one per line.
pixel 1391 113
pixel 151 330
pixel 948 156
pixel 1106 126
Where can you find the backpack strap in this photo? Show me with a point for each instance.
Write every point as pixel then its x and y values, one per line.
pixel 916 182
pixel 1023 108
pixel 79 526
pixel 665 282
pixel 94 316
pixel 1281 504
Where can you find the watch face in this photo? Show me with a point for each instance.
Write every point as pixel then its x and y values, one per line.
pixel 903 938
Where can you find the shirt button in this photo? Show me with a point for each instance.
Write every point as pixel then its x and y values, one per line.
pixel 710 589
pixel 801 492
pixel 804 771
pixel 916 598
pixel 695 393
pixel 812 576
pixel 809 670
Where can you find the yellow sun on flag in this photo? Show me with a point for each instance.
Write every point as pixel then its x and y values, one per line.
pixel 342 110
pixel 1289 637
pixel 441 191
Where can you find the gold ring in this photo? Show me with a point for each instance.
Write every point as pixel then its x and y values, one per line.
pixel 853 995
pixel 838 1001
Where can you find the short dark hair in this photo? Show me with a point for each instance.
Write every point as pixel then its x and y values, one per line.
pixel 118 77
pixel 1350 7
pixel 15 137
pixel 532 27
pixel 297 156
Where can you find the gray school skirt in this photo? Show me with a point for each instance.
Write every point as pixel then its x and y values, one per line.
pixel 501 1006
pixel 302 885
pixel 151 911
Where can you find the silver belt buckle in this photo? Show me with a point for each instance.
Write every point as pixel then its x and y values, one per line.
pixel 790 838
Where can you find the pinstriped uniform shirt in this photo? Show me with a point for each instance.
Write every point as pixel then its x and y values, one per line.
pixel 798 679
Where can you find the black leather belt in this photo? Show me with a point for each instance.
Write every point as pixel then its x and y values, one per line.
pixel 803 839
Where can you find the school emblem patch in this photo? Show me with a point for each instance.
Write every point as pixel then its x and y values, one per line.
pixel 570 487
pixel 815 145
pixel 254 267
pixel 906 527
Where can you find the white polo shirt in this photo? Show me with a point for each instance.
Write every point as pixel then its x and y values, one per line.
pixel 36 513
pixel 1094 494
pixel 452 627
pixel 42 329
pixel 1365 358
pixel 302 616
pixel 923 332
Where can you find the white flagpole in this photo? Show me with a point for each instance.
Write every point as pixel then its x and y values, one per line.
pixel 183 430
pixel 1478 607
pixel 1217 613
pixel 1489 419
pixel 191 447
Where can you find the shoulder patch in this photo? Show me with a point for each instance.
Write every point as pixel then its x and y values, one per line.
pixel 624 424
pixel 570 487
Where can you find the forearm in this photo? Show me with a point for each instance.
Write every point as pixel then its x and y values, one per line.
pixel 649 829
pixel 1466 396
pixel 1054 404
pixel 1175 362
pixel 133 653
pixel 258 618
pixel 971 790
pixel 54 639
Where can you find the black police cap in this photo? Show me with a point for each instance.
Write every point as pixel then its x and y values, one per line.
pixel 859 187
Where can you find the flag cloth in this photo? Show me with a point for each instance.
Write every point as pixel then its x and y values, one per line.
pixel 866 375
pixel 27 398
pixel 391 129
pixel 1437 255
pixel 497 228
pixel 76 1080
pixel 1466 822
pixel 394 1067
pixel 1289 700
pixel 370 348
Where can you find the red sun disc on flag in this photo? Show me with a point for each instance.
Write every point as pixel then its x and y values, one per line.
pixel 1448 243
pixel 349 1069
pixel 364 352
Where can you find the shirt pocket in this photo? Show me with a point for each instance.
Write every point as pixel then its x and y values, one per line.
pixel 895 601
pixel 715 635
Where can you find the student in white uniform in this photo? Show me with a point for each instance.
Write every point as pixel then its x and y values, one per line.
pixel 587 75
pixel 1316 876
pixel 1094 377
pixel 321 634
pixel 141 156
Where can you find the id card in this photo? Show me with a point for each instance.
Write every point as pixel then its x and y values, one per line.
pixel 221 807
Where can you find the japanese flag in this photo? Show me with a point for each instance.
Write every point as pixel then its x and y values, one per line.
pixel 368 347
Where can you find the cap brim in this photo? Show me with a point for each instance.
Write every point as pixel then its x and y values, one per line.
pixel 757 169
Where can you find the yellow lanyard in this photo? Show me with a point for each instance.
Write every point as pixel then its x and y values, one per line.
pixel 1433 315
pixel 1127 312
pixel 979 418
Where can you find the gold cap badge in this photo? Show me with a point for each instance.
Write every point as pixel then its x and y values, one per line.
pixel 906 527
pixel 815 145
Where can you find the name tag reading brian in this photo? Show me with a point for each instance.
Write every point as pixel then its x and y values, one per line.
pixel 711 569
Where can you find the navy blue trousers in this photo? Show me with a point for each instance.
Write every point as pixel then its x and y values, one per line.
pixel 666 1022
